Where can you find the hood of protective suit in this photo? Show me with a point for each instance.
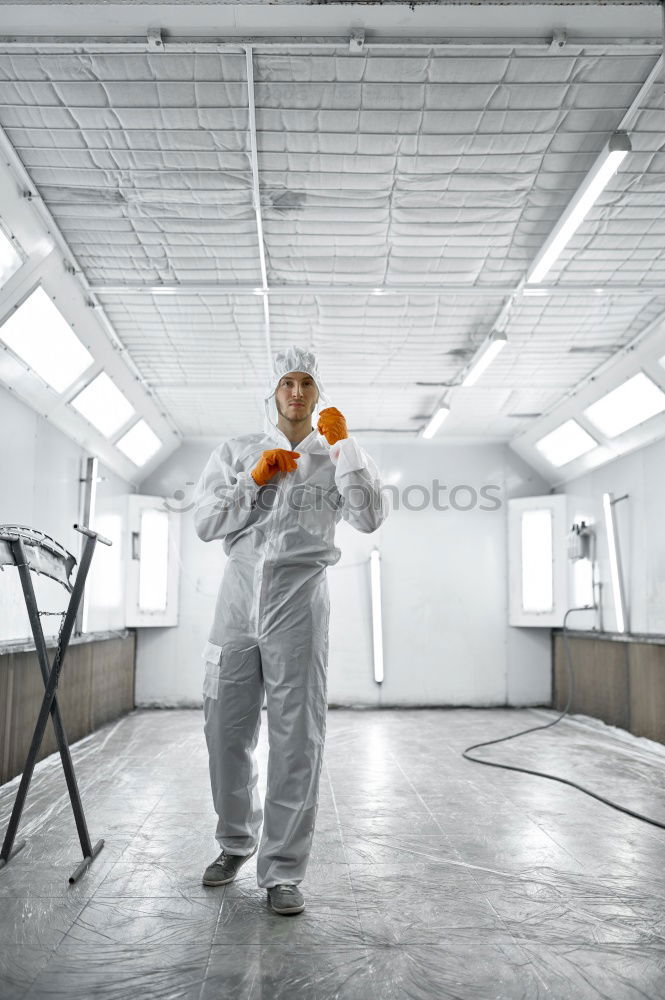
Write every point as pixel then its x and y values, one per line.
pixel 293 359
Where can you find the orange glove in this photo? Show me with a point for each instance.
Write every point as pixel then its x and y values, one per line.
pixel 332 425
pixel 272 461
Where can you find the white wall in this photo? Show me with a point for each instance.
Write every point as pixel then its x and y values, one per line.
pixel 40 470
pixel 639 519
pixel 169 670
pixel 444 590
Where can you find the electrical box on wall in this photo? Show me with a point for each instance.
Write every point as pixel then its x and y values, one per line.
pixel 153 562
pixel 538 561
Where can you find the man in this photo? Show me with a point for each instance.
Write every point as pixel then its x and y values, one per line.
pixel 276 510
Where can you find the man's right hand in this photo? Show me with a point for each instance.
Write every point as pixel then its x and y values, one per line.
pixel 273 461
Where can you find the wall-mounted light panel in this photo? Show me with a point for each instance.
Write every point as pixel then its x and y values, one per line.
pixel 40 336
pixel 620 405
pixel 10 258
pixel 102 403
pixel 565 443
pixel 54 340
pixel 631 403
pixel 139 444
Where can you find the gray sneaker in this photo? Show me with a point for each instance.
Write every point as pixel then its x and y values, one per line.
pixel 286 898
pixel 225 868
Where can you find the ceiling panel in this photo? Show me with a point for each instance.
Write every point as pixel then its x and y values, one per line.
pixel 418 168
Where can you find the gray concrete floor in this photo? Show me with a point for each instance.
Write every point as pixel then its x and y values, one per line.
pixel 431 877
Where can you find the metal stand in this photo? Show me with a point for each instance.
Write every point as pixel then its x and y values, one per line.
pixel 50 674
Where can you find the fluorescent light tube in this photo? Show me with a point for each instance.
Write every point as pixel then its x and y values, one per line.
pixel 615 562
pixel 436 421
pixel 10 259
pixel 377 626
pixel 566 442
pixel 139 443
pixel 577 209
pixel 42 338
pixel 486 354
pixel 102 403
pixel 636 400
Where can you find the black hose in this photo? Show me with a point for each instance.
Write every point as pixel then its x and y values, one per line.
pixel 533 729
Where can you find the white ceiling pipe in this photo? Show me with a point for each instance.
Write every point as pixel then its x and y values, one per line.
pixel 475 291
pixel 256 198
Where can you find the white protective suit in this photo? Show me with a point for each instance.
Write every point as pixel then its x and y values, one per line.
pixel 271 626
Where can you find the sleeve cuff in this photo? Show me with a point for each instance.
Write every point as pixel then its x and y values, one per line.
pixel 347 456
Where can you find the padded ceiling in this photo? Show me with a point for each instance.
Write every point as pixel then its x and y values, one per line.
pixel 415 169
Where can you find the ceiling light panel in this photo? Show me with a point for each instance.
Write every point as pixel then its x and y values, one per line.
pixel 565 443
pixel 623 237
pixel 40 336
pixel 10 258
pixel 591 189
pixel 636 400
pixel 140 443
pixel 104 405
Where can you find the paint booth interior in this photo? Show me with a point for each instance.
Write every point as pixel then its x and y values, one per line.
pixel 458 210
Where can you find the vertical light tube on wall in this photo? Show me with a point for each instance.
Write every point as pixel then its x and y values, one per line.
pixel 89 504
pixel 377 627
pixel 615 562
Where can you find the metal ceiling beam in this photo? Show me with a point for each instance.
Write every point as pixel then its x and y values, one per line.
pixel 648 289
pixel 104 45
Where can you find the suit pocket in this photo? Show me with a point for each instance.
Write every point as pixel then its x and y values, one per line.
pixel 212 657
pixel 317 511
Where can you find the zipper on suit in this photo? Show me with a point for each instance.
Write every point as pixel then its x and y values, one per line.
pixel 266 551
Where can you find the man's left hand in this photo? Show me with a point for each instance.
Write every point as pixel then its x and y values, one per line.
pixel 332 425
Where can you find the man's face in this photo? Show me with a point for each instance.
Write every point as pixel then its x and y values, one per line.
pixel 296 396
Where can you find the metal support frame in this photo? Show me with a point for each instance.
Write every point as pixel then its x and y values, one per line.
pixel 50 677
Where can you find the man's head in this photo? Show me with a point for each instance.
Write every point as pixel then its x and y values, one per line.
pixel 296 397
pixel 295 380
